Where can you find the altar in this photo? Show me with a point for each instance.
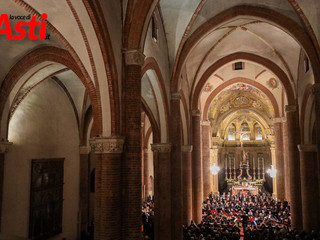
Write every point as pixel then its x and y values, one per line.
pixel 244 189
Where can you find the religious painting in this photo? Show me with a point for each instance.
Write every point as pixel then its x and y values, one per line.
pixel 46 198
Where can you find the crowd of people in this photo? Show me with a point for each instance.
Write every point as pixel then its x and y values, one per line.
pixel 244 216
pixel 235 217
pixel 148 219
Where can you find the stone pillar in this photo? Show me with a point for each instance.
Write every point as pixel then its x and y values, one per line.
pixel 4 148
pixel 162 191
pixel 187 184
pixel 277 126
pixel 131 164
pixel 84 187
pixel 146 174
pixel 294 165
pixel 285 159
pixel 309 187
pixel 197 190
pixel 273 162
pixel 176 167
pixel 108 152
pixel 214 157
pixel 206 134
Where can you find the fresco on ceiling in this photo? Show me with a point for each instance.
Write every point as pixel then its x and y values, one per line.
pixel 241 95
pixel 208 87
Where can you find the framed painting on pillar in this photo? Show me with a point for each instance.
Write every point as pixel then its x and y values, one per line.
pixel 46 198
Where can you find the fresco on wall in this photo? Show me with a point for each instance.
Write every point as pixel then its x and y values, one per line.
pixel 241 95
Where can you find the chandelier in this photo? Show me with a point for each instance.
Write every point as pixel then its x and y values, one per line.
pixel 214 169
pixel 272 172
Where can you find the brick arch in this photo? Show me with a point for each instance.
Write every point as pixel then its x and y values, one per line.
pixel 100 26
pixel 249 57
pixel 216 91
pixel 154 125
pixel 57 55
pixel 269 15
pixel 136 23
pixel 151 64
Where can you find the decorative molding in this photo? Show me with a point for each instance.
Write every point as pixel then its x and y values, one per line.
pixel 176 96
pixel 5 147
pixel 161 147
pixel 205 123
pixel 196 113
pixel 291 108
pixel 84 150
pixel 308 148
pixel 101 145
pixel 186 148
pixel 134 57
pixel 315 88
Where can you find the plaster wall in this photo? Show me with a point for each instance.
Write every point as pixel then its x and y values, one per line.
pixel 44 126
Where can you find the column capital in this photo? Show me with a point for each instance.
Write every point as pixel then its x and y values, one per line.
pixel 291 108
pixel 277 120
pixel 134 57
pixel 176 96
pixel 205 123
pixel 307 148
pixel 102 145
pixel 196 113
pixel 161 147
pixel 5 147
pixel 186 148
pixel 315 88
pixel 84 150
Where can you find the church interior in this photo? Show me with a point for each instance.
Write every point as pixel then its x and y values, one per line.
pixel 160 119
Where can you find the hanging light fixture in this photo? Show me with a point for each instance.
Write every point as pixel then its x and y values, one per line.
pixel 272 172
pixel 214 169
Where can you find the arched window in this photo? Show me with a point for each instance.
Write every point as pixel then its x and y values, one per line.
pixel 245 131
pixel 258 132
pixel 232 133
pixel 154 26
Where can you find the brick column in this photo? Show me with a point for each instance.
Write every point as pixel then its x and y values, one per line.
pixel 197 187
pixel 294 165
pixel 187 184
pixel 176 166
pixel 131 164
pixel 4 148
pixel 207 183
pixel 162 191
pixel 84 187
pixel 277 126
pixel 108 153
pixel 273 162
pixel 309 187
pixel 146 174
pixel 285 159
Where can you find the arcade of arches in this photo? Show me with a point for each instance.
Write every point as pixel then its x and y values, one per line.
pixel 136 98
